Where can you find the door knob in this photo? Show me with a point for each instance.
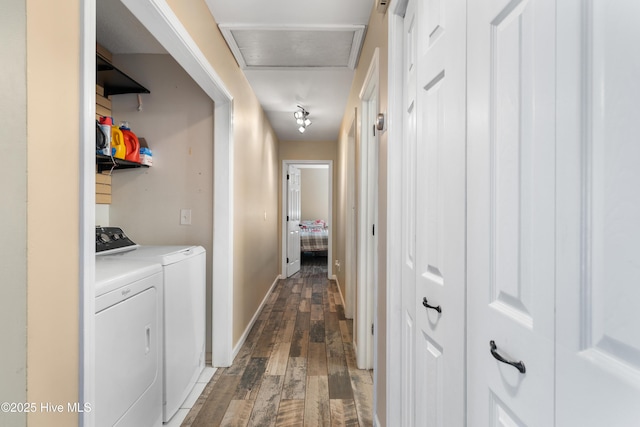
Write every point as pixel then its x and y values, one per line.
pixel 494 352
pixel 426 304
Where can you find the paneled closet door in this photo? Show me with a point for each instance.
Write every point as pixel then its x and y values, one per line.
pixel 440 213
pixel 408 224
pixel 433 228
pixel 511 212
pixel 598 243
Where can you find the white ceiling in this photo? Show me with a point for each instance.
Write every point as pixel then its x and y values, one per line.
pixel 120 32
pixel 318 78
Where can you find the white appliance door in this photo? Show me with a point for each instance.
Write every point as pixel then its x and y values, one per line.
pixel 128 368
pixel 511 208
pixel 293 220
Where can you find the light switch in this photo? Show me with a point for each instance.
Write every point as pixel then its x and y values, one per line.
pixel 185 216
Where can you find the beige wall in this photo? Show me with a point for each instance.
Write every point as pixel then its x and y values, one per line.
pixel 13 213
pixel 255 179
pixel 177 122
pixel 305 150
pixel 342 210
pixel 377 36
pixel 53 46
pixel 314 193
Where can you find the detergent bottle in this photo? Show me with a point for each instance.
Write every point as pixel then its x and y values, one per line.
pixel 117 143
pixel 131 143
pixel 105 127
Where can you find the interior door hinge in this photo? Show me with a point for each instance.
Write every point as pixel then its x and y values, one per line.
pixel 287 177
pixel 287 217
pixel 373 231
pixel 374 130
pixel 372 329
pixel 287 260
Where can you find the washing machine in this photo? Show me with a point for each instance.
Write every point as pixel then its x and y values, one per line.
pixel 184 276
pixel 128 343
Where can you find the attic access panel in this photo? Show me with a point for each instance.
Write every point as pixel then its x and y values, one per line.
pixel 281 47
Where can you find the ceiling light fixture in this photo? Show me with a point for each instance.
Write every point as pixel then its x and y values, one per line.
pixel 302 119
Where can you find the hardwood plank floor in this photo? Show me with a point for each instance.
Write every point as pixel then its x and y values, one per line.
pixel 297 366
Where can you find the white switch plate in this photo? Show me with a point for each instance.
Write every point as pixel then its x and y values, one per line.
pixel 185 216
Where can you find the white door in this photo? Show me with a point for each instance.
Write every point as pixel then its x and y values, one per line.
pixel 371 281
pixel 408 223
pixel 440 213
pixel 511 207
pixel 434 214
pixel 367 276
pixel 293 220
pixel 598 268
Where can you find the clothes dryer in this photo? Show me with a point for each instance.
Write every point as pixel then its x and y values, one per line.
pixel 128 343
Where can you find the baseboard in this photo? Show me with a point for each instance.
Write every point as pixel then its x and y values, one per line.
pixel 245 334
pixel 339 290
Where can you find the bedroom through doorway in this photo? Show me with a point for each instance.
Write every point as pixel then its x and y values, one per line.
pixel 307 213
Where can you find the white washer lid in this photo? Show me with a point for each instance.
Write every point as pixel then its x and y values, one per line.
pixel 113 272
pixel 165 255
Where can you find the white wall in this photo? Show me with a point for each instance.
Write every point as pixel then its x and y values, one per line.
pixel 314 193
pixel 177 122
pixel 13 215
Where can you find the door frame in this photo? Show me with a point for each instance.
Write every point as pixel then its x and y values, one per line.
pixel 351 229
pixel 284 195
pixel 367 255
pixel 87 213
pixel 164 25
pixel 395 134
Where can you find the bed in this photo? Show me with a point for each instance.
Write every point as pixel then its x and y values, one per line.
pixel 314 236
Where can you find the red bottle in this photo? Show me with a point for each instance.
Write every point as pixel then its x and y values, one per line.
pixel 131 143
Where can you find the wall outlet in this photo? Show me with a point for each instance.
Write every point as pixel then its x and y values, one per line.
pixel 185 216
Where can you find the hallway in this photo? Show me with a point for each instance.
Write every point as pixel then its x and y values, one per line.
pixel 297 364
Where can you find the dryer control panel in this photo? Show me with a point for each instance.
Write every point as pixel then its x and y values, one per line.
pixel 111 240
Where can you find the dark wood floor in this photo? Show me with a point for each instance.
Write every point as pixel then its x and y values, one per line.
pixel 297 366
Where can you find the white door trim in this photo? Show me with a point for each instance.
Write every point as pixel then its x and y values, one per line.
pixel 350 261
pixel 87 208
pixel 283 236
pixel 395 82
pixel 367 258
pixel 162 23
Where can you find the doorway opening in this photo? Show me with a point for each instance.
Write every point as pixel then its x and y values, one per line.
pixel 307 214
pixel 367 252
pixel 167 29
